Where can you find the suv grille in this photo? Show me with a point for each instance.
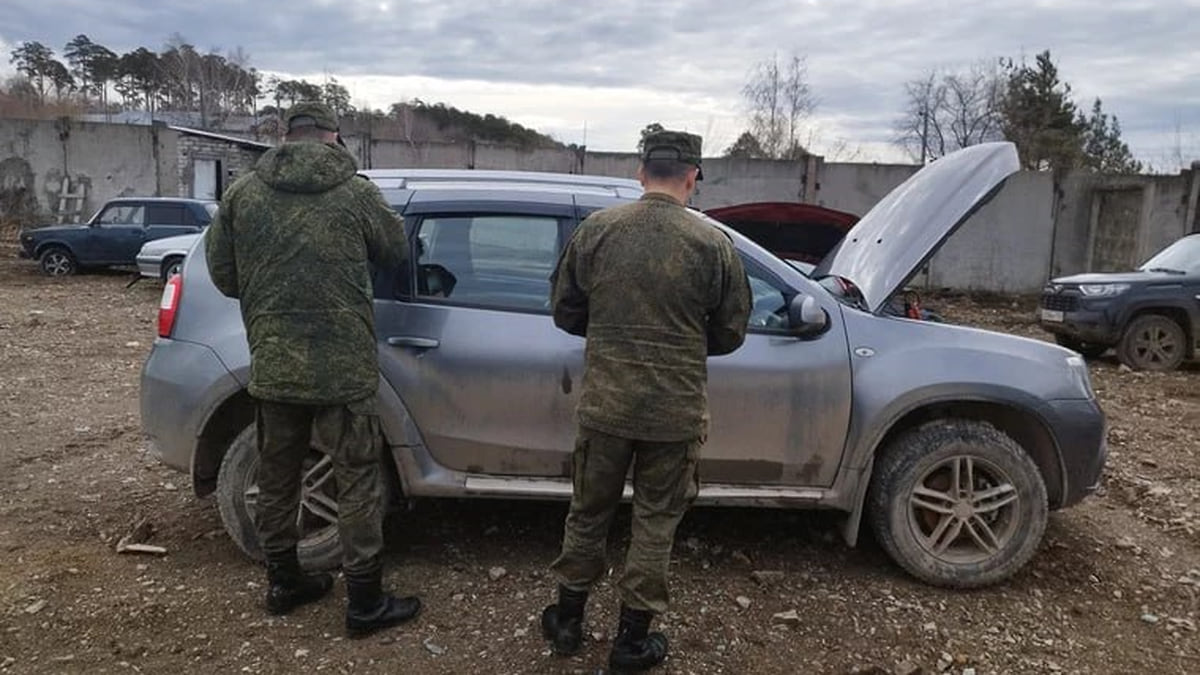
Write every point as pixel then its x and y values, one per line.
pixel 1063 303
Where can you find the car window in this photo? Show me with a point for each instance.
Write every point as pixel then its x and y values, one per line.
pixel 121 215
pixel 769 299
pixel 494 261
pixel 164 214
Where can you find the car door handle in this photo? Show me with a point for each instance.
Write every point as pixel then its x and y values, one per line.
pixel 409 341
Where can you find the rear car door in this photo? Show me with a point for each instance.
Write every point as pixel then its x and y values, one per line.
pixel 168 220
pixel 469 344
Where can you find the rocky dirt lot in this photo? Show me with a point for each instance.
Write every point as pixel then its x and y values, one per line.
pixel 1113 590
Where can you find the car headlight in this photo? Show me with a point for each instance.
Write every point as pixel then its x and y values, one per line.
pixel 1103 290
pixel 1079 372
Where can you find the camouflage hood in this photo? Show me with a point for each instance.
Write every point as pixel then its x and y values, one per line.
pixel 305 167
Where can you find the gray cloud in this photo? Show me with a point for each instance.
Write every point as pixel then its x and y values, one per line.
pixel 1139 56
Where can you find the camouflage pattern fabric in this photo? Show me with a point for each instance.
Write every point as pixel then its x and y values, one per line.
pixel 350 435
pixel 292 240
pixel 665 484
pixel 656 291
pixel 679 146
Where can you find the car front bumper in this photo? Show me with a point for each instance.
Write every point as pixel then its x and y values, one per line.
pixel 149 267
pixel 1083 325
pixel 181 383
pixel 1081 430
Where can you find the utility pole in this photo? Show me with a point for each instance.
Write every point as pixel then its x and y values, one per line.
pixel 924 130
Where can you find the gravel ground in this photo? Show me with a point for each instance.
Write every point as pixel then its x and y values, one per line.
pixel 1113 588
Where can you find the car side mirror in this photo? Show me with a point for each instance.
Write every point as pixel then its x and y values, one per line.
pixel 805 316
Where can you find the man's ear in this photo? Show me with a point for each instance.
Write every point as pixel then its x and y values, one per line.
pixel 641 174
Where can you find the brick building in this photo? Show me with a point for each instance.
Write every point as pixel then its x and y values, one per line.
pixel 209 162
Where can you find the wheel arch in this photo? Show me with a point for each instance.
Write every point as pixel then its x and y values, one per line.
pixel 54 243
pixel 1175 313
pixel 236 412
pixel 168 260
pixel 1024 425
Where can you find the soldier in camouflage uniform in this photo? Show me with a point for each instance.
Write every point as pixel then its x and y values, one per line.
pixel 655 291
pixel 292 241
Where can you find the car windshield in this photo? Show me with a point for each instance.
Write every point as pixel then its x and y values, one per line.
pixel 1181 256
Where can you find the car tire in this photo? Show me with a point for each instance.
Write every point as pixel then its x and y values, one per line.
pixel 1089 350
pixel 970 537
pixel 171 266
pixel 319 548
pixel 56 261
pixel 1152 342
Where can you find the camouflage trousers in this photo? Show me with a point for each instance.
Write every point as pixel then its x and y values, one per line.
pixel 665 483
pixel 349 435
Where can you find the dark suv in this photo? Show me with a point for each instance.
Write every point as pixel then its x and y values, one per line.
pixel 1150 315
pixel 115 234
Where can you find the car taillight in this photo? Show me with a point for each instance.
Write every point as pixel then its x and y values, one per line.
pixel 169 305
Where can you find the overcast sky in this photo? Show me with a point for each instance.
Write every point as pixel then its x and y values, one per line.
pixel 613 66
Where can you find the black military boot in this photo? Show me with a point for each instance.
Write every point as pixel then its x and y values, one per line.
pixel 633 649
pixel 369 609
pixel 289 587
pixel 562 622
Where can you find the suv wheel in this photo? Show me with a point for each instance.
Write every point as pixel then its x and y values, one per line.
pixel 57 261
pixel 957 503
pixel 237 494
pixel 1152 342
pixel 1089 350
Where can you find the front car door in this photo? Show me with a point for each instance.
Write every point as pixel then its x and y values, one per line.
pixel 118 233
pixel 779 405
pixel 469 344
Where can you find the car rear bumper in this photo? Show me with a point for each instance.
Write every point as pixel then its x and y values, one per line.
pixel 1082 432
pixel 182 382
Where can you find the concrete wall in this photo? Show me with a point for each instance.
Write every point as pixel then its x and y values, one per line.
pixel 99 160
pixel 1003 247
pixel 1039 226
pixel 855 188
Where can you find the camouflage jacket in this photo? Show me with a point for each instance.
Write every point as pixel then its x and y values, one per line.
pixel 292 240
pixel 656 291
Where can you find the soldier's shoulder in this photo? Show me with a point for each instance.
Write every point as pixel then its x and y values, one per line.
pixel 245 184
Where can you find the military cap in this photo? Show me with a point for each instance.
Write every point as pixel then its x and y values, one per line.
pixel 310 114
pixel 677 145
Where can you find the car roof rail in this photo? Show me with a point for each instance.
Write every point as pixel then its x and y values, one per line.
pixel 400 179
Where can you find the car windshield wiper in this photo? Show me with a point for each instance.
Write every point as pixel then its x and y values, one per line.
pixel 1166 270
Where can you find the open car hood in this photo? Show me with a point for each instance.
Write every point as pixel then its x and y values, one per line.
pixel 891 242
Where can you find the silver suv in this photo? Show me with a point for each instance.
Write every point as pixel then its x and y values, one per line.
pixel 955 442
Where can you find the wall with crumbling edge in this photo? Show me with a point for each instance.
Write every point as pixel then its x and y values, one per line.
pixel 99 160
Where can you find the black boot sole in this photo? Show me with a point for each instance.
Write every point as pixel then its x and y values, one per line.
pixel 359 631
pixel 280 607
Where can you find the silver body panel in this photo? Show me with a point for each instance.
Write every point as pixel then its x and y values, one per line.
pixel 480 402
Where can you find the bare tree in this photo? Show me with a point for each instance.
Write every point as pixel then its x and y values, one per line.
pixel 779 101
pixel 946 111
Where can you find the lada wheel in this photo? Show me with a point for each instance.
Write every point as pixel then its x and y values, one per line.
pixel 957 503
pixel 1152 342
pixel 57 262
pixel 237 495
